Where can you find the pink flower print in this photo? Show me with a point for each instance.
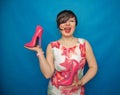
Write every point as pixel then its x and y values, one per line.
pixel 55 44
pixel 68 51
pixel 83 50
pixel 82 90
pixel 69 90
pixel 73 68
pixel 56 78
pixel 75 77
pixel 67 64
pixel 82 63
pixel 74 89
pixel 64 74
pixel 65 52
pixel 72 50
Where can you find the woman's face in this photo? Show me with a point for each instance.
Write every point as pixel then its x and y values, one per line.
pixel 67 28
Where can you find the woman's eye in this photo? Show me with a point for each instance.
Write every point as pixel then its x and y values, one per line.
pixel 72 21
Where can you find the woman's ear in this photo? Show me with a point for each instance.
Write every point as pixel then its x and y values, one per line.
pixel 61 27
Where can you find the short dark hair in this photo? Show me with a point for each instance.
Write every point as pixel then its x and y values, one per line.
pixel 64 16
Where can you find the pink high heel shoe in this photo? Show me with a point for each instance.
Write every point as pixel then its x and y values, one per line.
pixel 36 39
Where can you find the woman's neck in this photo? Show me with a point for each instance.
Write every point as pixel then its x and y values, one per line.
pixel 68 41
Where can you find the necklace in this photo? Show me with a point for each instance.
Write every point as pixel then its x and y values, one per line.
pixel 68 42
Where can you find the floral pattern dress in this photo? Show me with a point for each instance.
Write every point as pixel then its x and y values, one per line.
pixel 69 65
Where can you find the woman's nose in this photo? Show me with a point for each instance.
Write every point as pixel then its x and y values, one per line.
pixel 67 23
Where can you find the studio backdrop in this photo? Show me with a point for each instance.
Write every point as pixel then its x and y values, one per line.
pixel 98 22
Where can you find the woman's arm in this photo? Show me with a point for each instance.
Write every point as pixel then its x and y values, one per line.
pixel 92 64
pixel 46 63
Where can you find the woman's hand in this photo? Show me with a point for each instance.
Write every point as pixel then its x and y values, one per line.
pixel 37 48
pixel 77 84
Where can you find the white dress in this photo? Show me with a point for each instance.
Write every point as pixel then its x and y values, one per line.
pixel 69 65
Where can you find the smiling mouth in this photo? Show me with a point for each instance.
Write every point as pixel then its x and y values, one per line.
pixel 67 29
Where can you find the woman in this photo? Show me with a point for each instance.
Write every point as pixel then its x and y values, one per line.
pixel 65 59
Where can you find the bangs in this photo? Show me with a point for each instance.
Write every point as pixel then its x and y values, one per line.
pixel 64 18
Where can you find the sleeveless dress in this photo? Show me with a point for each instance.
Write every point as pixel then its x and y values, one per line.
pixel 69 65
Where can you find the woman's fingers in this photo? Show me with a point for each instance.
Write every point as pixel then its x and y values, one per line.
pixel 79 83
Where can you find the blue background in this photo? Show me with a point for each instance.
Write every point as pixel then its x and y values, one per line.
pixel 98 22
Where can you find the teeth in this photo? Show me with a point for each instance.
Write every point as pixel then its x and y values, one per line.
pixel 67 28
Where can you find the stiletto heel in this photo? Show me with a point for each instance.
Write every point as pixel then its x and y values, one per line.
pixel 69 80
pixel 36 39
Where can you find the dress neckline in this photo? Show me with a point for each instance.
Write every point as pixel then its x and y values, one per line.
pixel 69 47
